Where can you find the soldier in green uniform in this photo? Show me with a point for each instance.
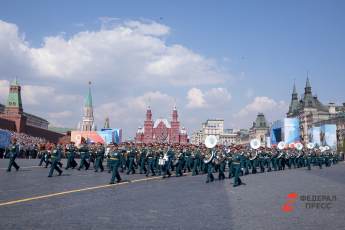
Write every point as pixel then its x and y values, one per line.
pixel 131 156
pixel 150 161
pixel 169 155
pixel 237 169
pixel 115 156
pixel 188 160
pixel 55 157
pixel 308 159
pixel 209 159
pixel 43 152
pixel 100 150
pixel 221 163
pixel 196 160
pixel 14 151
pixel 142 159
pixel 70 150
pixel 253 160
pixel 180 163
pixel 274 159
pixel 84 155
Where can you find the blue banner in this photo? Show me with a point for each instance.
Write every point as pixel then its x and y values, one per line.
pixel 328 136
pixel 291 130
pixel 5 138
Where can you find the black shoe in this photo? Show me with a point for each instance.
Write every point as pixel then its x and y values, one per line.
pixel 118 181
pixel 78 169
pixel 17 168
pixel 49 176
pixel 96 171
pixel 60 173
pixel 8 170
pixel 111 182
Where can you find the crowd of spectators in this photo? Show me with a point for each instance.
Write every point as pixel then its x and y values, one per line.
pixel 28 144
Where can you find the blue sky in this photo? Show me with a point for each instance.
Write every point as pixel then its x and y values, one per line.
pixel 257 49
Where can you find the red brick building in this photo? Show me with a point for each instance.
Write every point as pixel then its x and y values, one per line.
pixel 15 119
pixel 161 131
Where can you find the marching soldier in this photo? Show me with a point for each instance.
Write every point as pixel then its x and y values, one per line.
pixel 14 151
pixel 100 150
pixel 237 169
pixel 114 162
pixel 150 161
pixel 55 157
pixel 168 157
pixel 70 151
pixel 131 157
pixel 142 159
pixel 84 155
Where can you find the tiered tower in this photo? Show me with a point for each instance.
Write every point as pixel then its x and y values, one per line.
pixel 175 127
pixel 148 126
pixel 14 107
pixel 87 124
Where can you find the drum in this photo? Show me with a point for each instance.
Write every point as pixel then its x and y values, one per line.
pixel 161 161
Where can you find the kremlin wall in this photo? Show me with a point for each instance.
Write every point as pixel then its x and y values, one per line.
pixel 13 118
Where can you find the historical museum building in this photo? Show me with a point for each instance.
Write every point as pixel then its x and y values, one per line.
pixel 161 130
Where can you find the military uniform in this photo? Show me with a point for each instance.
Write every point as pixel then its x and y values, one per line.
pixel 131 158
pixel 150 162
pixel 237 169
pixel 84 156
pixel 168 162
pixel 142 160
pixel 114 162
pixel 71 163
pixel 55 157
pixel 14 151
pixel 100 150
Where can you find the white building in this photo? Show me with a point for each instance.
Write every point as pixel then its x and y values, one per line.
pixel 215 127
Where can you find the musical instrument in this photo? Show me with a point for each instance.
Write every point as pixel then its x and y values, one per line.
pixel 310 145
pixel 322 148
pixel 254 157
pixel 255 143
pixel 210 142
pixel 281 145
pixel 161 161
pixel 299 146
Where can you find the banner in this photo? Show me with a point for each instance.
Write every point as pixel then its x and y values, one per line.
pixel 105 136
pixel 276 132
pixel 291 130
pixel 328 136
pixel 5 138
pixel 314 135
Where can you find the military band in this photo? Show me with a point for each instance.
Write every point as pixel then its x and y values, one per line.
pixel 163 159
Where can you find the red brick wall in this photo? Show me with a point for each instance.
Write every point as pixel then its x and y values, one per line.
pixel 7 124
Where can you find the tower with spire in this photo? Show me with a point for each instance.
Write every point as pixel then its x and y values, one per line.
pixel 87 123
pixel 175 126
pixel 148 126
pixel 308 109
pixel 14 107
pixel 294 104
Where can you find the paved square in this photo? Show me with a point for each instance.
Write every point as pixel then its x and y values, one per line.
pixel 88 202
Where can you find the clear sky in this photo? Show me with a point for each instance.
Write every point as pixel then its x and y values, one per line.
pixel 225 59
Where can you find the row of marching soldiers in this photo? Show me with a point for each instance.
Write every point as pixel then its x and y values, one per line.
pixel 164 159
